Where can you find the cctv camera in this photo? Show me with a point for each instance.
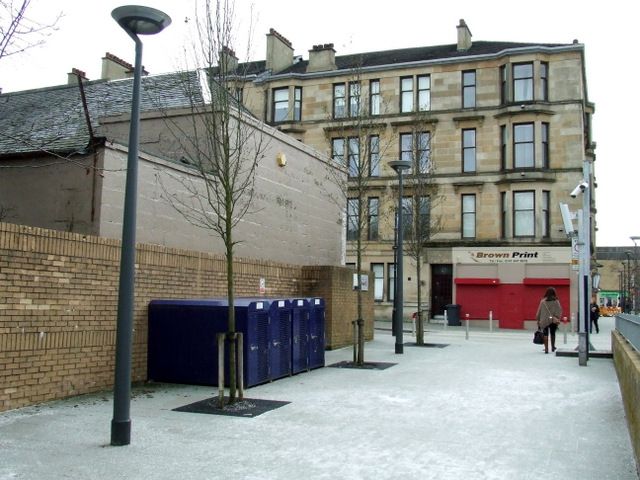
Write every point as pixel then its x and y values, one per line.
pixel 580 188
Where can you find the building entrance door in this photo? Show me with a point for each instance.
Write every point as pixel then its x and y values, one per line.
pixel 441 288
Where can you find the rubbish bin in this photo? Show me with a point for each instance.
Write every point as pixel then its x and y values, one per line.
pixel 453 315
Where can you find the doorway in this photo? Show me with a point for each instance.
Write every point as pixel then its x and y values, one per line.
pixel 441 288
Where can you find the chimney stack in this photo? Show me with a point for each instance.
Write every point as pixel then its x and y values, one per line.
pixel 72 77
pixel 322 58
pixel 279 52
pixel 464 36
pixel 228 60
pixel 114 68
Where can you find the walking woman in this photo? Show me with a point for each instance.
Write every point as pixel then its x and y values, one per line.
pixel 548 317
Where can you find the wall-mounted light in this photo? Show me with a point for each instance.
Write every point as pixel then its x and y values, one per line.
pixel 281 159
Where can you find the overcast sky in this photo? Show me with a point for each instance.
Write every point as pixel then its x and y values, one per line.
pixel 87 32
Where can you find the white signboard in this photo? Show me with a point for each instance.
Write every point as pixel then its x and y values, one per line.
pixel 575 254
pixel 512 255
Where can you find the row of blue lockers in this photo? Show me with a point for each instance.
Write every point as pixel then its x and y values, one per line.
pixel 281 337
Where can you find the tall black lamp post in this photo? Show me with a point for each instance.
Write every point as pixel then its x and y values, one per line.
pixel 399 166
pixel 627 287
pixel 623 288
pixel 135 20
pixel 634 286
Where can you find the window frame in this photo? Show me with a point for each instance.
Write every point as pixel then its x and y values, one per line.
pixel 504 210
pixel 297 104
pixel 338 157
pixel 518 165
pixel 378 281
pixel 374 97
pixel 339 101
pixel 419 151
pixel 374 155
pixel 469 89
pixel 406 154
pixel 544 140
pixel 519 80
pixel 423 152
pixel 468 216
pixel 544 81
pixel 546 214
pixel 275 102
pixel 353 157
pixel 424 93
pixel 504 142
pixel 471 150
pixel 353 102
pixel 406 94
pixel 373 213
pixel 517 214
pixel 391 281
pixel 407 216
pixel 423 209
pixel 353 219
pixel 504 82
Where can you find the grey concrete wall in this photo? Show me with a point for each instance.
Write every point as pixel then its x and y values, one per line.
pixel 51 192
pixel 295 216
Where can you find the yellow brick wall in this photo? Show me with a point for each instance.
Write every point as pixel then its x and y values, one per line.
pixel 58 305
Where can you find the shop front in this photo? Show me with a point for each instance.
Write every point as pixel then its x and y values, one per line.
pixel 508 283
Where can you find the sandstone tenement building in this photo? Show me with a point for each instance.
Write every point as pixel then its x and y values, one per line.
pixel 500 131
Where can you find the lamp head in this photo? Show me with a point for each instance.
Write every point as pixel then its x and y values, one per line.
pixel 138 20
pixel 400 165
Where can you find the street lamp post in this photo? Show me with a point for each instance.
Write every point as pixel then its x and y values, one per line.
pixel 627 306
pixel 620 281
pixel 399 166
pixel 135 20
pixel 634 239
pixel 623 288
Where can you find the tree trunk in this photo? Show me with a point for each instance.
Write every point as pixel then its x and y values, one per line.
pixel 360 320
pixel 231 326
pixel 419 322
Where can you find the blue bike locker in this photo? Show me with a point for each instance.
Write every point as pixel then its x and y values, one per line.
pixel 316 332
pixel 279 334
pixel 300 333
pixel 280 355
pixel 183 340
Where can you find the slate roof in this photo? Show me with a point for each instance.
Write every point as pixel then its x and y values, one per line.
pixel 399 56
pixel 52 119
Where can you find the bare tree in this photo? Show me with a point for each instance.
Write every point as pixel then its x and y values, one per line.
pixel 221 142
pixel 358 142
pixel 18 32
pixel 421 224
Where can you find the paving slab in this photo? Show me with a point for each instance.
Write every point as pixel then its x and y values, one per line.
pixel 492 406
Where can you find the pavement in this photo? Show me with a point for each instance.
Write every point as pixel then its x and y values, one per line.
pixel 492 406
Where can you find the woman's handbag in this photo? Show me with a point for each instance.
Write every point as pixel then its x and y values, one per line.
pixel 554 319
pixel 537 337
